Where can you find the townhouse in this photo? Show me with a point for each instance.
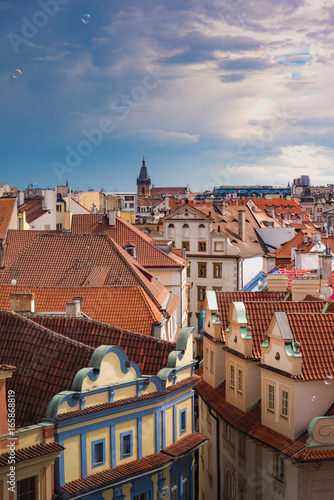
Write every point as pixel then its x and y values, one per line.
pixel 265 397
pixel 221 245
pixel 107 428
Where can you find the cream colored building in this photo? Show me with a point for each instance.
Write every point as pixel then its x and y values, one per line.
pixel 221 246
pixel 265 390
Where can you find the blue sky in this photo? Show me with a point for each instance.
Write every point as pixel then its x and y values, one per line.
pixel 213 91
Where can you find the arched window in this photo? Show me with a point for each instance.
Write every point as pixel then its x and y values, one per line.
pixel 170 230
pixel 185 231
pixel 201 231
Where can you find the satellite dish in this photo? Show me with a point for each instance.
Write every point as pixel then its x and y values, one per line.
pixel 326 291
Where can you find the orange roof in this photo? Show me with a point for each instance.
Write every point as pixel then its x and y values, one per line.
pixel 315 333
pixel 150 354
pixel 169 190
pixel 173 204
pixel 45 362
pixel 281 204
pixel 6 211
pixel 226 298
pixel 67 259
pixel 17 240
pixel 128 307
pixel 284 251
pixel 148 255
pixel 259 315
pixel 33 209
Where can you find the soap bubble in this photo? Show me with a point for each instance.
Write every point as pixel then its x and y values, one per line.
pixel 86 18
pixel 259 50
pixel 328 380
pixel 17 73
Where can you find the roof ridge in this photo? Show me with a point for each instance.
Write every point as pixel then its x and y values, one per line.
pixel 42 328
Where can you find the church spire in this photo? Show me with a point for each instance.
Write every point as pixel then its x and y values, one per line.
pixel 144 180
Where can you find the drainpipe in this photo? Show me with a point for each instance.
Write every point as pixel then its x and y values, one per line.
pixel 218 454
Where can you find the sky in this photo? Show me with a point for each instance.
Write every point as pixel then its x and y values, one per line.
pixel 214 92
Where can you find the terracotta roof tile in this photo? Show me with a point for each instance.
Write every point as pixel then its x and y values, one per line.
pixel 259 315
pixel 33 208
pixel 127 307
pixel 6 211
pixel 149 353
pixel 45 362
pixel 123 233
pixel 284 251
pixel 226 298
pixel 70 259
pixel 315 333
pixel 30 453
pixel 186 444
pixel 17 240
pixel 169 190
pixel 142 465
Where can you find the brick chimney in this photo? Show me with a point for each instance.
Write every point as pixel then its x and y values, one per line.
pixel 242 224
pixel 220 205
pixel 22 302
pixel 305 286
pixel 269 262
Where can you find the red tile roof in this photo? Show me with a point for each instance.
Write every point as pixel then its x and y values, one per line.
pixel 284 251
pixel 45 362
pixel 280 204
pixel 142 465
pixel 315 333
pixel 186 444
pixel 17 240
pixel 259 315
pixel 169 190
pixel 33 208
pixel 123 233
pixel 30 453
pixel 127 307
pixel 226 298
pixel 250 423
pixel 80 260
pixel 149 353
pixel 6 211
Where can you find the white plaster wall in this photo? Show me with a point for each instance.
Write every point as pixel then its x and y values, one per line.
pixel 251 266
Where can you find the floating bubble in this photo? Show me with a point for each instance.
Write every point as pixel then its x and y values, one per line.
pixel 86 18
pixel 17 73
pixel 259 50
pixel 328 380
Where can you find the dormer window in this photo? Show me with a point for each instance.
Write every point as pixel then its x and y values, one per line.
pixel 131 250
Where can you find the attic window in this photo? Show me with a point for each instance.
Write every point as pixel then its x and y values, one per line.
pixel 131 250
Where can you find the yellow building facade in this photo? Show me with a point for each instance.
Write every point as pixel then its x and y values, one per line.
pixel 126 435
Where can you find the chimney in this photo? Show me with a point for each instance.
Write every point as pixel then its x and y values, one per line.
pixel 183 253
pixel 20 198
pixel 220 205
pixel 325 265
pixel 269 262
pixel 301 287
pixel 241 224
pixel 6 372
pixel 271 212
pixel 293 252
pixel 22 302
pixel 112 214
pixel 73 309
pixel 305 239
pixel 277 283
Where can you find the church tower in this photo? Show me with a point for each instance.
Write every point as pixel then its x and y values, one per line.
pixel 143 181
